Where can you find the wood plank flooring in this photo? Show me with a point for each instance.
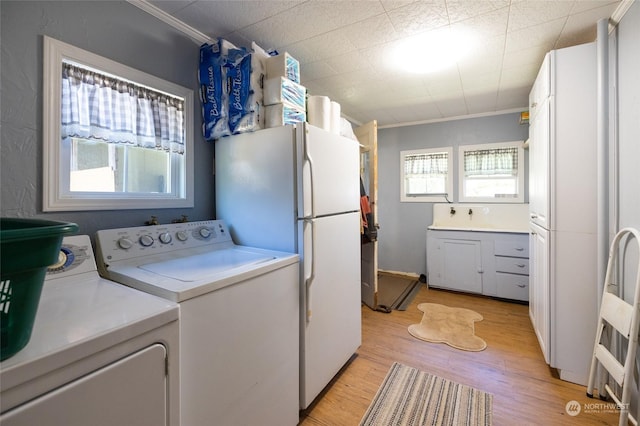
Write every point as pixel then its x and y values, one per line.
pixel 511 368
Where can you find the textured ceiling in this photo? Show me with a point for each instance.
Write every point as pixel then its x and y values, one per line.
pixel 342 47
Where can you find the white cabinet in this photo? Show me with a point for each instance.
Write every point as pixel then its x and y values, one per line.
pixel 511 257
pixel 456 264
pixel 539 287
pixel 539 164
pixel 490 263
pixel 541 87
pixel 563 206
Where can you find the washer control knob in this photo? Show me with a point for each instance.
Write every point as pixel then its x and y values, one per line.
pixel 125 243
pixel 165 238
pixel 204 232
pixel 146 240
pixel 182 235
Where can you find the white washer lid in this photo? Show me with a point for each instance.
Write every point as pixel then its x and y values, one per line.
pixel 199 267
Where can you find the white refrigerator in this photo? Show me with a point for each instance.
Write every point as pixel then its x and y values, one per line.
pixel 296 189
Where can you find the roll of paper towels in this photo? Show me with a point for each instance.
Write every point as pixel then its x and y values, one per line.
pixel 335 118
pixel 319 112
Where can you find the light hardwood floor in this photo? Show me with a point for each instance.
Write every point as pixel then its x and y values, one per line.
pixel 525 391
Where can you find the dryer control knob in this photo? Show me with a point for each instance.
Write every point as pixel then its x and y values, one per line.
pixel 146 240
pixel 165 238
pixel 182 235
pixel 204 232
pixel 125 243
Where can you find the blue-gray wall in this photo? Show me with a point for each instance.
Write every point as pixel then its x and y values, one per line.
pixel 113 29
pixel 403 226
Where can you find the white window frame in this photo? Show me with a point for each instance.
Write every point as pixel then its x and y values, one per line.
pixel 520 176
pixel 427 198
pixel 56 163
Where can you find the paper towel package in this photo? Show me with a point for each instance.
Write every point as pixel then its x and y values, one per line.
pixel 282 90
pixel 281 114
pixel 335 117
pixel 319 112
pixel 283 65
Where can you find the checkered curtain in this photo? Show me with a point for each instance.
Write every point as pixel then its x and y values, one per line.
pixel 500 161
pixel 99 107
pixel 421 164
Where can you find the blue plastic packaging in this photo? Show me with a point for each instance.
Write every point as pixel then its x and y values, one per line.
pixel 242 106
pixel 211 76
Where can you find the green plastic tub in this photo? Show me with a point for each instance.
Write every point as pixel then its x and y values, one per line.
pixel 28 247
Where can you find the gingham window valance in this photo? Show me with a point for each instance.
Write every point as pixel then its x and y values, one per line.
pixel 499 161
pixel 100 107
pixel 436 163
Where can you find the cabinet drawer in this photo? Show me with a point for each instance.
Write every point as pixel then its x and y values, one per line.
pixel 512 247
pixel 514 265
pixel 510 286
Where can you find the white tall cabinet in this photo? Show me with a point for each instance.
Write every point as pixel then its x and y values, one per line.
pixel 562 156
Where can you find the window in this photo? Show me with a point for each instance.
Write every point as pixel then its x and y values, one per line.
pixel 114 137
pixel 426 175
pixel 492 173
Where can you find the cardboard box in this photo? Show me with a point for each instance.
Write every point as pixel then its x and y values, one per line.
pixel 283 65
pixel 282 90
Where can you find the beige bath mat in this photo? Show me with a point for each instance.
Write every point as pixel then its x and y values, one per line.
pixel 453 326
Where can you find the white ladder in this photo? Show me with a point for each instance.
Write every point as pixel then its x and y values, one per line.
pixel 625 319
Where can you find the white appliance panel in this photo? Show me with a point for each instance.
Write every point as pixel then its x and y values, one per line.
pixel 328 163
pixel 105 397
pixel 331 323
pixel 313 175
pixel 239 364
pixel 239 325
pixel 90 333
pixel 253 171
pixel 201 266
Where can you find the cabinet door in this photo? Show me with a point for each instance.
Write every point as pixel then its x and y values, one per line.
pixel 541 87
pixel 462 265
pixel 539 141
pixel 539 302
pixel 131 391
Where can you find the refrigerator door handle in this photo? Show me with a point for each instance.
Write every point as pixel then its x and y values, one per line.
pixel 307 156
pixel 309 280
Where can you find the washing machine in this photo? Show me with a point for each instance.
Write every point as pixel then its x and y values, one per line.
pixel 99 354
pixel 239 317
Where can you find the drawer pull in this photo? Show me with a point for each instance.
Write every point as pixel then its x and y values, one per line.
pixel 521 265
pixel 522 285
pixel 519 248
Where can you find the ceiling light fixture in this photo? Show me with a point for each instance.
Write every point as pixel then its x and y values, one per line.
pixel 432 51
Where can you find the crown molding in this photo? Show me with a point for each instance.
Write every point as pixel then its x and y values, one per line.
pixel 187 30
pixel 620 11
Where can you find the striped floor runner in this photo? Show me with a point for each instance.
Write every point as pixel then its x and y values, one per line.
pixel 411 397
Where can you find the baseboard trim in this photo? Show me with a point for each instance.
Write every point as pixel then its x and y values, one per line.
pixel 399 274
